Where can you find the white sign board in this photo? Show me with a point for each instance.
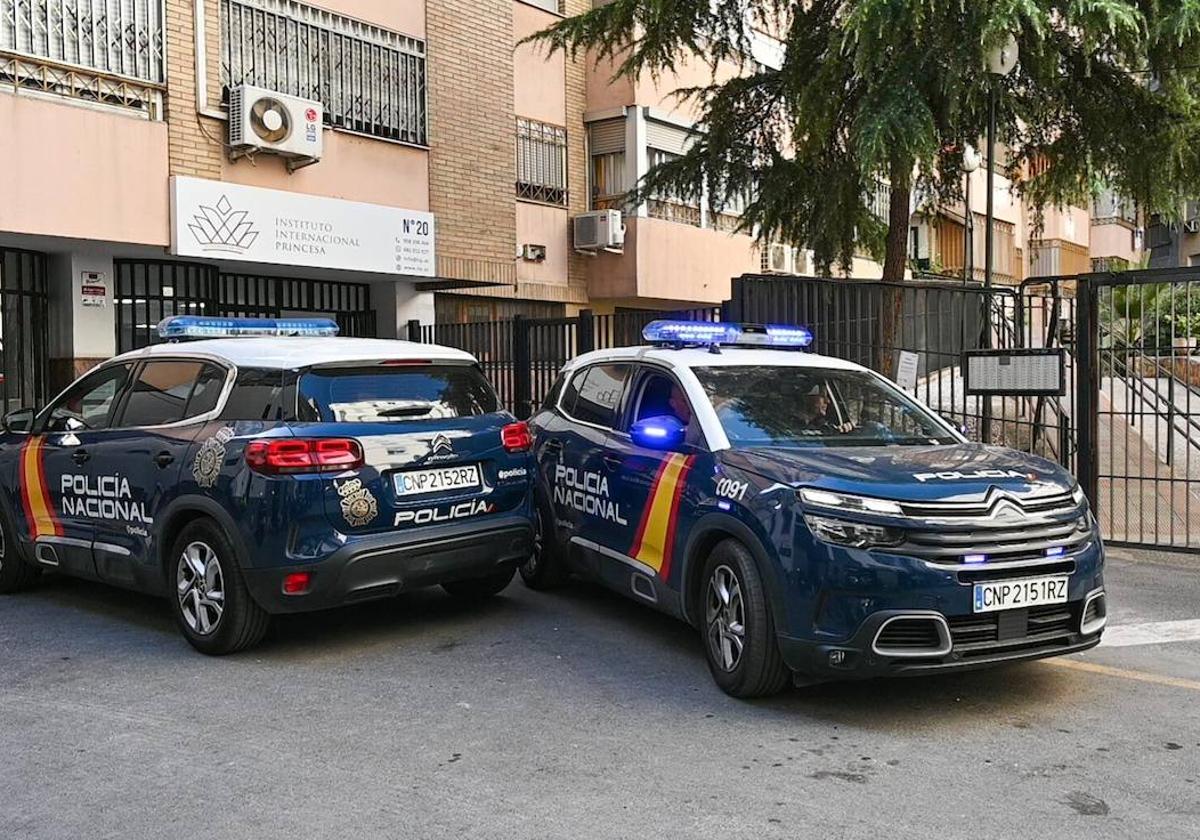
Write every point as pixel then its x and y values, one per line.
pixel 216 219
pixel 906 370
pixel 93 290
pixel 1024 372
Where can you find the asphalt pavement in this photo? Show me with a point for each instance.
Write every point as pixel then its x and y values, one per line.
pixel 578 714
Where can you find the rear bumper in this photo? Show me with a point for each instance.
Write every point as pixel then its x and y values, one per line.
pixel 387 564
pixel 861 658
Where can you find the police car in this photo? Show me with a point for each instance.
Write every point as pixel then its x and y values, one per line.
pixel 812 520
pixel 281 470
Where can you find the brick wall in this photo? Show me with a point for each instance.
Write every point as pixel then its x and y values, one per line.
pixel 472 161
pixel 194 142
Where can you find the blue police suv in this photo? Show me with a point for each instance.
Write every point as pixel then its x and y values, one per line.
pixel 282 470
pixel 812 520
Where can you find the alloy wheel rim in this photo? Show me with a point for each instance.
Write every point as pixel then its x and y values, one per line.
pixel 725 615
pixel 200 587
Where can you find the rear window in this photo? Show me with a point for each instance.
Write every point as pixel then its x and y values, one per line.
pixel 383 395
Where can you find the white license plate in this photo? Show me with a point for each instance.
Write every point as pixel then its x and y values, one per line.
pixel 1014 594
pixel 416 482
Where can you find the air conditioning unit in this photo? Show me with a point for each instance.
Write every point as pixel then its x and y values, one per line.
pixel 599 230
pixel 778 258
pixel 262 120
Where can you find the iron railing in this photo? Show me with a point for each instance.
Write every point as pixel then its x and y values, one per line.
pixel 24 341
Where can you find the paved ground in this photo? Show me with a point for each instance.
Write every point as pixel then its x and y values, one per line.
pixel 577 715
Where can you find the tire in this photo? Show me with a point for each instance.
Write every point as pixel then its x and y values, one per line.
pixel 203 564
pixel 481 588
pixel 545 568
pixel 15 573
pixel 746 663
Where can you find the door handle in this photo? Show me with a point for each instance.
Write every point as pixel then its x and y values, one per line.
pixel 613 462
pixel 80 456
pixel 164 459
pixel 554 446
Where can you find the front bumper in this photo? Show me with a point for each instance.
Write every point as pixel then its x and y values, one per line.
pixel 384 565
pixel 974 641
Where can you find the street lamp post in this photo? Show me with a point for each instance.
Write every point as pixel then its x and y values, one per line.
pixel 1001 60
pixel 970 163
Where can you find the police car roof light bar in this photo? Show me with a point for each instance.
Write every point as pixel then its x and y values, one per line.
pixel 179 327
pixel 712 333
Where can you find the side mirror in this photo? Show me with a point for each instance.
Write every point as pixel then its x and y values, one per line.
pixel 664 433
pixel 18 421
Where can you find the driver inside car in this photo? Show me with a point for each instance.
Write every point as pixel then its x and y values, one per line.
pixel 818 414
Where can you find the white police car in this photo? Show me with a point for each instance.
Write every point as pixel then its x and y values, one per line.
pixel 281 470
pixel 809 517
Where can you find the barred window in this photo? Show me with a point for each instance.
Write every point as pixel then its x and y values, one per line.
pixel 370 80
pixel 541 161
pixel 98 50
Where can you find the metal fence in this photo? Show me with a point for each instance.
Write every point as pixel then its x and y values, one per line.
pixel 24 329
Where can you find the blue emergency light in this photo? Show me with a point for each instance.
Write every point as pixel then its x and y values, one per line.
pixel 178 327
pixel 719 332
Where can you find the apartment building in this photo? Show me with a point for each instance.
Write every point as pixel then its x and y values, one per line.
pixel 145 175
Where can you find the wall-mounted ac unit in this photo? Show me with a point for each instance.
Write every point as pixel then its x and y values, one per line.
pixel 599 230
pixel 266 121
pixel 778 258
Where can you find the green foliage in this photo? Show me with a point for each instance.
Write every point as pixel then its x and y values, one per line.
pixel 1106 91
pixel 1150 316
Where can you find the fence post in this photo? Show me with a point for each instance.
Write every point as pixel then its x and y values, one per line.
pixel 414 330
pixel 1087 387
pixel 522 379
pixel 585 332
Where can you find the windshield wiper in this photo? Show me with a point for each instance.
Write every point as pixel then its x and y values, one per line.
pixel 405 411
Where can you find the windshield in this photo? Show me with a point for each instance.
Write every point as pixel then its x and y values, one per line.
pixel 803 406
pixel 392 395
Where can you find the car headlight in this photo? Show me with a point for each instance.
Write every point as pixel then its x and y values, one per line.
pixel 1078 495
pixel 845 501
pixel 852 534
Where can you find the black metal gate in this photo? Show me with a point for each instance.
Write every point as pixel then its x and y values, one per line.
pixel 24 329
pixel 150 290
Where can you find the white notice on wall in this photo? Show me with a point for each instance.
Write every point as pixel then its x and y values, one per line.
pixel 220 220
pixel 93 290
pixel 906 370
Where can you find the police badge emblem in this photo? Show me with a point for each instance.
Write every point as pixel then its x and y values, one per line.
pixel 207 465
pixel 358 505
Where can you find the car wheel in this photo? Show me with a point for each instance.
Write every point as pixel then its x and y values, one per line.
pixel 544 569
pixel 739 633
pixel 15 573
pixel 477 589
pixel 212 606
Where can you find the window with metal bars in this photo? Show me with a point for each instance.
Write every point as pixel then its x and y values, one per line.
pixel 370 80
pixel 99 50
pixel 541 162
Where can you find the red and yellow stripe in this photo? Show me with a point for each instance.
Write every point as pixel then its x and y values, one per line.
pixel 35 493
pixel 654 542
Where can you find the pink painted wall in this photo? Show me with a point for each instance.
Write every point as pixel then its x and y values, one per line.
pixel 1069 223
pixel 1113 240
pixel 539 79
pixel 353 168
pixel 538 224
pixel 67 170
pixel 407 16
pixel 602 92
pixel 670 261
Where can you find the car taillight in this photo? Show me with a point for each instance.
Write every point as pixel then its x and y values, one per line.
pixel 301 455
pixel 516 437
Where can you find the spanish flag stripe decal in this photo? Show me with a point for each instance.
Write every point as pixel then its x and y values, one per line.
pixel 35 492
pixel 656 526
pixel 669 548
pixel 641 531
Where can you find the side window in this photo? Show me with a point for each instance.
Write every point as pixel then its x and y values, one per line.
pixel 654 397
pixel 207 392
pixel 571 390
pixel 600 394
pixel 256 395
pixel 555 389
pixel 88 404
pixel 160 393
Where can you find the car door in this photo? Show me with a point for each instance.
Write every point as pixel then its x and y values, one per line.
pixel 574 463
pixel 58 490
pixel 135 464
pixel 651 483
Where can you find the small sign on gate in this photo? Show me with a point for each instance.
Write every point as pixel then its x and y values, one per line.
pixel 1026 372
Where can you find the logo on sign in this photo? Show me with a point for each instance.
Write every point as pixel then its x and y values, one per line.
pixel 222 228
pixel 311 115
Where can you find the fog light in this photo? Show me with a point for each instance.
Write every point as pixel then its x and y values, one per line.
pixel 296 583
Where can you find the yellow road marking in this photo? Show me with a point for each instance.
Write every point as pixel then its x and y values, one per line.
pixel 1123 673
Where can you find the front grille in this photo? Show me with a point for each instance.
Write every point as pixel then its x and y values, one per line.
pixel 1002 528
pixel 988 633
pixel 913 634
